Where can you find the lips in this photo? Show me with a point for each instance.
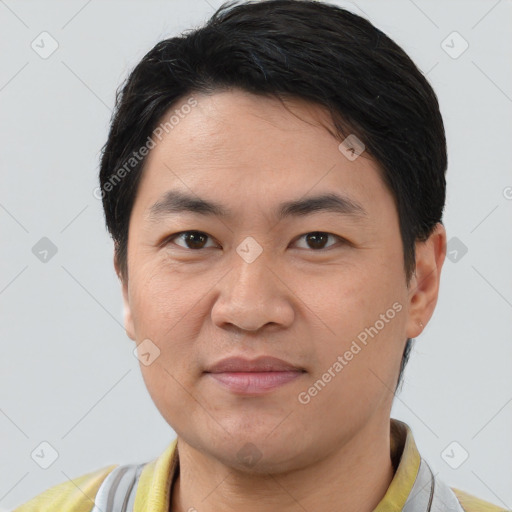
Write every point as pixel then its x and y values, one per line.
pixel 260 364
pixel 253 377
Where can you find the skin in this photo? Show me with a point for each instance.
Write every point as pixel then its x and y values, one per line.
pixel 300 303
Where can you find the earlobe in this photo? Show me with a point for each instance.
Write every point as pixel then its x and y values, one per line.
pixel 424 285
pixel 127 313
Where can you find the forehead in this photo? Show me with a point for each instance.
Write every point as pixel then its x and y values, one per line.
pixel 254 151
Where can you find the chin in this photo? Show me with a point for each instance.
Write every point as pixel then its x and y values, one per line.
pixel 255 452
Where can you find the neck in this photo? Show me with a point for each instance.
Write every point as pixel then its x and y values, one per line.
pixel 353 478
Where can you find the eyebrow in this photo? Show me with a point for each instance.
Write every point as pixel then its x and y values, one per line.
pixel 175 201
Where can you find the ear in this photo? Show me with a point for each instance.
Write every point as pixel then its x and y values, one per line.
pixel 424 285
pixel 128 319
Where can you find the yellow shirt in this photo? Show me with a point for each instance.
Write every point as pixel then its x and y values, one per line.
pixel 155 483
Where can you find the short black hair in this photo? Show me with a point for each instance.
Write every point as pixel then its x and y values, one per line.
pixel 290 48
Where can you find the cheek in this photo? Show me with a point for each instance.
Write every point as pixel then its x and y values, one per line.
pixel 348 299
pixel 159 301
pixel 362 313
pixel 170 393
pixel 164 310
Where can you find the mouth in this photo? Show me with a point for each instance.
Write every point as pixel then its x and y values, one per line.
pixel 253 376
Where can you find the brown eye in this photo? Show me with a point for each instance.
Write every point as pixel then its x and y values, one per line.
pixel 317 239
pixel 191 239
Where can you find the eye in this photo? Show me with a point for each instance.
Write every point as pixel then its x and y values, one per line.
pixel 197 240
pixel 318 239
pixel 192 239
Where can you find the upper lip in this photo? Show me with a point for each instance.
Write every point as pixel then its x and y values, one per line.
pixel 260 364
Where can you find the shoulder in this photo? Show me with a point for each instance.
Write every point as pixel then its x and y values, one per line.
pixel 471 503
pixel 76 495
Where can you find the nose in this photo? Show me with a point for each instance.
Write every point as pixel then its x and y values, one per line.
pixel 254 295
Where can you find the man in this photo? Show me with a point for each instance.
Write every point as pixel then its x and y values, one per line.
pixel 274 183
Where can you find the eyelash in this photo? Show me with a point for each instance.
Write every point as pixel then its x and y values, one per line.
pixel 181 233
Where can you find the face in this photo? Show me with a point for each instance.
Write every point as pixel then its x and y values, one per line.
pixel 264 271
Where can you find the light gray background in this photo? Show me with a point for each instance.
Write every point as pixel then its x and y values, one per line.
pixel 68 375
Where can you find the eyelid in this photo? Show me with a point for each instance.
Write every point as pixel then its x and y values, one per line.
pixel 169 239
pixel 339 238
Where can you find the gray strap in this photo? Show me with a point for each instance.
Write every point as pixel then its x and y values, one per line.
pixel 421 493
pixel 117 492
pixel 430 494
pixel 445 499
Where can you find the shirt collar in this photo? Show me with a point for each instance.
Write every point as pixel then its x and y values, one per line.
pixel 405 455
pixel 153 491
